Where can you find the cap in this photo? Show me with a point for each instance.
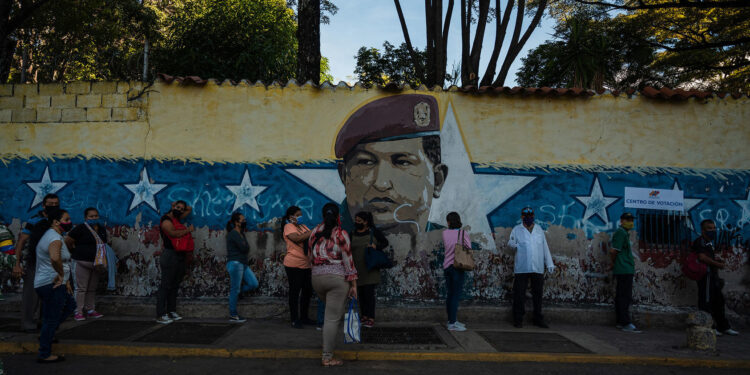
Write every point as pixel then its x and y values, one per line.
pixel 388 119
pixel 527 211
pixel 626 216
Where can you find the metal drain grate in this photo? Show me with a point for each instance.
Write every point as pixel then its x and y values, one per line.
pixel 531 342
pixel 106 330
pixel 189 333
pixel 401 336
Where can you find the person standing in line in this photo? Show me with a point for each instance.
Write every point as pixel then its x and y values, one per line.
pixel 237 267
pixel 26 261
pixel 52 281
pixel 366 236
pixel 710 297
pixel 83 242
pixel 454 277
pixel 297 266
pixel 532 256
pixel 178 246
pixel 623 266
pixel 334 276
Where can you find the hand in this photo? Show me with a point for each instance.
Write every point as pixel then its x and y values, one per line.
pixel 353 292
pixel 191 228
pixel 173 204
pixel 372 245
pixel 57 281
pixel 17 271
pixel 69 286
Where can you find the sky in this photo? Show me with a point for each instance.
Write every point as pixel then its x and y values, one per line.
pixel 369 23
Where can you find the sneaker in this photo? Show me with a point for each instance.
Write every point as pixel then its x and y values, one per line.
pixel 630 328
pixel 164 319
pixel 718 333
pixel 731 332
pixel 319 327
pixel 368 323
pixel 459 324
pixel 237 319
pixel 79 317
pixel 455 327
pixel 175 316
pixel 94 314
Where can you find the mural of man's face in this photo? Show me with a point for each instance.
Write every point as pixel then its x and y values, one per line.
pixel 395 181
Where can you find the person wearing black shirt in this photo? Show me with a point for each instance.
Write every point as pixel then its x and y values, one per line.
pixel 239 271
pixel 710 297
pixel 172 262
pixel 82 242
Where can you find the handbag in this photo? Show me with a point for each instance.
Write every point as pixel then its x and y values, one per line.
pixel 100 260
pixel 463 258
pixel 184 243
pixel 376 259
pixel 693 268
pixel 352 326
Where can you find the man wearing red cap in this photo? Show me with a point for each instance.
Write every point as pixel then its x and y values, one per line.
pixel 391 166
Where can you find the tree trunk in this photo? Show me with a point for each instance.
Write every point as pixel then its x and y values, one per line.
pixel 500 30
pixel 476 48
pixel 516 44
pixel 308 40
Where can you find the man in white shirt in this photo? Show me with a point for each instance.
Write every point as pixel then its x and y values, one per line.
pixel 532 256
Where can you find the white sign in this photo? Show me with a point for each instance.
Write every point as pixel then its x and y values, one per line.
pixel 654 199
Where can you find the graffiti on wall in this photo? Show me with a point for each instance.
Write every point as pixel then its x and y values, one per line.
pixel 404 159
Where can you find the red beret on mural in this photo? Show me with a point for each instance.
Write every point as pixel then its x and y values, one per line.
pixel 390 118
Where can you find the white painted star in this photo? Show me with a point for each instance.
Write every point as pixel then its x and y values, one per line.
pixel 144 191
pixel 745 205
pixel 596 203
pixel 690 203
pixel 44 187
pixel 474 195
pixel 246 192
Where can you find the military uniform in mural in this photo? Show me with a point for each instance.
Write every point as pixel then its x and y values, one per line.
pixel 391 162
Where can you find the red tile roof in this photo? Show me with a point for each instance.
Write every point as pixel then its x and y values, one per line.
pixel 649 92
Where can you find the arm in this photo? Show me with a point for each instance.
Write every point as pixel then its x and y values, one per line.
pixel 380 240
pixel 342 240
pixel 707 260
pixel 70 242
pixel 55 251
pixel 513 241
pixel 548 256
pixel 18 268
pixel 295 236
pixel 168 227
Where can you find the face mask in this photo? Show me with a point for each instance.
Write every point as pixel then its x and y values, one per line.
pixel 93 221
pixel 50 209
pixel 299 220
pixel 177 214
pixel 628 225
pixel 66 227
pixel 711 234
pixel 528 220
pixel 359 226
pixel 243 225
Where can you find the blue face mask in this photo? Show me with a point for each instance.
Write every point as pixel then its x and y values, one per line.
pixel 711 234
pixel 300 220
pixel 93 221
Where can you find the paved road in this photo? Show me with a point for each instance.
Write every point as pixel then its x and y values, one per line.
pixel 25 365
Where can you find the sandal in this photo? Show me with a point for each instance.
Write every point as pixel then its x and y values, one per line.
pixel 58 358
pixel 331 362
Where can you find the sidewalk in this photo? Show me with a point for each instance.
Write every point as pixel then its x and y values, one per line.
pixel 273 338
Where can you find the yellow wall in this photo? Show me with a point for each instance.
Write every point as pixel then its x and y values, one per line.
pixel 245 123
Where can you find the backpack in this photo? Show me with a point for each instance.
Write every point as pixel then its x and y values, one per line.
pixel 693 268
pixel 7 245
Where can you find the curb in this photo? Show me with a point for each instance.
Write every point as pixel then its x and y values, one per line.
pixel 161 351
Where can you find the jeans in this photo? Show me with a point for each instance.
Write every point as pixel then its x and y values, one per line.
pixel 321 312
pixel 172 271
pixel 366 294
pixel 300 291
pixel 711 300
pixel 520 282
pixel 454 280
pixel 238 273
pixel 623 298
pixel 57 305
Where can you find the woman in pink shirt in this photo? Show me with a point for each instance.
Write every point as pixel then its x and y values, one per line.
pixel 454 278
pixel 297 266
pixel 334 276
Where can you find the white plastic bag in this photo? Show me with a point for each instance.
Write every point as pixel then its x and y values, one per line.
pixel 352 324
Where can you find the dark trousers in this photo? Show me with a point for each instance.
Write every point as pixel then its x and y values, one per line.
pixel 711 300
pixel 29 298
pixel 366 294
pixel 58 305
pixel 520 282
pixel 623 298
pixel 300 291
pixel 454 283
pixel 172 265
